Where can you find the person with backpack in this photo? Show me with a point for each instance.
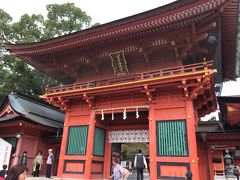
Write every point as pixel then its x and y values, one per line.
pixel 140 164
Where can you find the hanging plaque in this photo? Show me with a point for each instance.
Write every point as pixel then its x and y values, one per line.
pixel 119 63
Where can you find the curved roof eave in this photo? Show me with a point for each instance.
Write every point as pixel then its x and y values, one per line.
pixel 167 9
pixel 22 112
pixel 27 107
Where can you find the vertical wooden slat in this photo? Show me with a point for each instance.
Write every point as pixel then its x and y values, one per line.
pixel 170 146
pixel 171 138
pixel 77 140
pixel 99 142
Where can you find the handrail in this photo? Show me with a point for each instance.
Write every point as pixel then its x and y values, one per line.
pixel 135 77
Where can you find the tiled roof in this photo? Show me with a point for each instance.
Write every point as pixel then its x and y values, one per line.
pixel 35 111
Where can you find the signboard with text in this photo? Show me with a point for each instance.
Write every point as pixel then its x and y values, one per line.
pixel 119 63
pixel 5 152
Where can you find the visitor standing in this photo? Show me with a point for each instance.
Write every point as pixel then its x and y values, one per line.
pixel 37 164
pixel 49 163
pixel 23 160
pixel 140 163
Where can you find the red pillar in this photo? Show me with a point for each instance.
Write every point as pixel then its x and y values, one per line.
pixel 63 145
pixel 107 156
pixel 152 142
pixel 18 151
pixel 90 142
pixel 210 161
pixel 192 139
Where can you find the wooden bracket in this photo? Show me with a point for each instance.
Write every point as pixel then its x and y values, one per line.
pixel 145 51
pixel 58 102
pixel 197 90
pixel 91 60
pixel 176 50
pixel 71 71
pixel 189 44
pixel 148 92
pixel 88 99
pixel 185 88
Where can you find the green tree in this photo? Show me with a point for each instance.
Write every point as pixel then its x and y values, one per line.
pixel 5 30
pixel 64 19
pixel 28 29
pixel 15 75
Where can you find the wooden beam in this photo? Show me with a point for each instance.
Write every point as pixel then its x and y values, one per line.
pixel 92 61
pixel 199 49
pixel 52 69
pixel 145 50
pixel 146 58
pixel 194 29
pixel 206 28
pixel 199 37
pixel 176 52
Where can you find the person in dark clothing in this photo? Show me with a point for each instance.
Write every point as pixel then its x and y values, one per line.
pixel 236 172
pixel 3 172
pixel 140 163
pixel 23 159
pixel 188 175
pixel 147 160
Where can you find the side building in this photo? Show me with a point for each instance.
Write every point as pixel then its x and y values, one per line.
pixel 31 125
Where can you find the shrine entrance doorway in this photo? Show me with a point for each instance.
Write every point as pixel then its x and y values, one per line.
pixel 125 154
pixel 125 146
pixel 127 131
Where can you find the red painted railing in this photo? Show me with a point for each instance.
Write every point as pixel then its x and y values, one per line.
pixel 132 78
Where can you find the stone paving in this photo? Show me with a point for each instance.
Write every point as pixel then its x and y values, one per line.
pixel 131 177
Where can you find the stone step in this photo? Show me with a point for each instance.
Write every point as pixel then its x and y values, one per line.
pixel 224 177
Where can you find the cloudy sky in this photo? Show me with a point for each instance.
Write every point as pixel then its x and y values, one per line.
pixel 101 11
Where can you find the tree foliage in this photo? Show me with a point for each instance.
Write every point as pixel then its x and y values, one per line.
pixel 64 19
pixel 28 29
pixel 15 75
pixel 5 29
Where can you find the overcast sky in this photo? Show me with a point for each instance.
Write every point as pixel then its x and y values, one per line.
pixel 101 11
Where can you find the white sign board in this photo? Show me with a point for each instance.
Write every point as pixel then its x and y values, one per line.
pixel 5 152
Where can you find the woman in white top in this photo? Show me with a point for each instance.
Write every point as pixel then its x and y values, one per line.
pixel 37 164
